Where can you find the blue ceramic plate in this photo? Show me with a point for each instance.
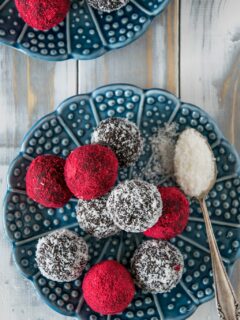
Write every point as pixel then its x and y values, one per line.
pixel 86 33
pixel 71 125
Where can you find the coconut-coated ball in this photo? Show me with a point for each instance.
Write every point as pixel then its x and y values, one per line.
pixel 108 287
pixel 157 266
pixel 94 218
pixel 107 5
pixel 62 255
pixel 45 181
pixel 42 14
pixel 174 216
pixel 91 171
pixel 122 136
pixel 135 205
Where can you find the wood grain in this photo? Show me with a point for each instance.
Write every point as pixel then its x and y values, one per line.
pixel 192 49
pixel 210 76
pixel 210 60
pixel 28 90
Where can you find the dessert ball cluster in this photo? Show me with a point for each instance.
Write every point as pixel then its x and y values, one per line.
pixel 46 14
pixel 104 209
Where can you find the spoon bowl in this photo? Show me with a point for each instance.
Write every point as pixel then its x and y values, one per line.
pixel 227 305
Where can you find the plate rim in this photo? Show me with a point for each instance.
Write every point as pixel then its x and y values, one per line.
pixel 56 111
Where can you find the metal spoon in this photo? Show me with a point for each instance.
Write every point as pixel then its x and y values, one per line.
pixel 227 304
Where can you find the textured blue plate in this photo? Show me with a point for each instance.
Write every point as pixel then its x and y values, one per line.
pixel 86 33
pixel 71 125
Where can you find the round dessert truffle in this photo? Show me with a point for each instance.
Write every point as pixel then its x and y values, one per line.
pixel 62 255
pixel 108 287
pixel 42 14
pixel 94 218
pixel 122 136
pixel 91 171
pixel 107 5
pixel 45 181
pixel 135 205
pixel 157 266
pixel 174 216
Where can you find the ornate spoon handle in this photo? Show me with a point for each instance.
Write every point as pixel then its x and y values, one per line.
pixel 227 304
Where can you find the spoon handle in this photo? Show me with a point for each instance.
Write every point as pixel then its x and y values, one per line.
pixel 227 305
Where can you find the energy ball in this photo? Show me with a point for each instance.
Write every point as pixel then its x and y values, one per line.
pixel 157 266
pixel 94 218
pixel 135 205
pixel 107 5
pixel 122 136
pixel 108 287
pixel 91 171
pixel 45 181
pixel 62 255
pixel 174 216
pixel 42 14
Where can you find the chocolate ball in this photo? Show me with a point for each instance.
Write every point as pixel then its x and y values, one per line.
pixel 107 5
pixel 122 136
pixel 135 205
pixel 157 266
pixel 62 255
pixel 94 218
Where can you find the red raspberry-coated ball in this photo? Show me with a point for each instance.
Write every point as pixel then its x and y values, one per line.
pixel 174 216
pixel 91 171
pixel 42 14
pixel 108 287
pixel 45 181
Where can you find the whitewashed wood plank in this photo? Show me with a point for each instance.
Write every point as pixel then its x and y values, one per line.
pixel 151 61
pixel 28 90
pixel 210 74
pixel 210 60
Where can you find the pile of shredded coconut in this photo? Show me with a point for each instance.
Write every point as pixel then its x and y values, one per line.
pixel 194 163
pixel 163 148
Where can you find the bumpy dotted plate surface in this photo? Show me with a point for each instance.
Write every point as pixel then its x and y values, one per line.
pixel 71 125
pixel 86 33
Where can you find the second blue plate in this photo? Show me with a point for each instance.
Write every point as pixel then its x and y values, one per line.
pixel 86 33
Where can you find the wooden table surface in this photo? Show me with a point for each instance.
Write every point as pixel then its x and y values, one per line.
pixel 192 49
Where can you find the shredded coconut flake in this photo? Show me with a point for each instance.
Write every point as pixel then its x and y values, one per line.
pixel 163 148
pixel 194 163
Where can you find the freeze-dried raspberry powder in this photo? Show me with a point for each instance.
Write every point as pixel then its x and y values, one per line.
pixel 108 287
pixel 42 14
pixel 91 171
pixel 45 182
pixel 174 216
